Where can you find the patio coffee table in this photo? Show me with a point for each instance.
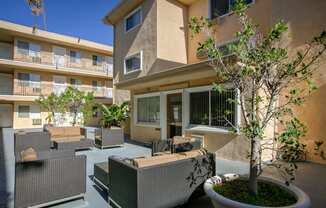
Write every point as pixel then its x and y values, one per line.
pixel 101 174
pixel 73 144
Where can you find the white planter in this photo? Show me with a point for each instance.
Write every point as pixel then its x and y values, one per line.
pixel 220 201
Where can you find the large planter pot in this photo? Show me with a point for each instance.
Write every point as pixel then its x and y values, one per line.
pixel 109 137
pixel 219 201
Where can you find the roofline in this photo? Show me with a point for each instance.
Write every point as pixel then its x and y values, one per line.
pixel 121 9
pixel 38 34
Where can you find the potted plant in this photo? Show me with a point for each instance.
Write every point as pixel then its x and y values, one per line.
pixel 111 131
pixel 267 79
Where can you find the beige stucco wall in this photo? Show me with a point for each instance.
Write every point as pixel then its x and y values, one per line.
pixel 141 38
pixel 86 61
pixel 226 26
pixel 306 20
pixel 172 33
pixel 25 123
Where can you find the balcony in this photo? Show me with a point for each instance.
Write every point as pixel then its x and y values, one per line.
pixel 49 63
pixel 30 90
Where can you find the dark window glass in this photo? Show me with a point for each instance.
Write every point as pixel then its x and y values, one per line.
pixel 133 20
pixel 223 111
pixel 23 47
pixel 96 60
pixel 133 63
pixel 23 77
pixel 23 111
pixel 199 108
pixel 222 7
pixel 73 56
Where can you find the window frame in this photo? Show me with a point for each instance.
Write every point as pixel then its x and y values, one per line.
pixel 219 129
pixel 30 53
pixel 129 15
pixel 77 59
pixel 210 14
pixel 30 82
pixel 19 112
pixel 146 124
pixel 131 56
pixel 99 60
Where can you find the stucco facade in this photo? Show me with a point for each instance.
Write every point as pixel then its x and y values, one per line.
pixel 164 35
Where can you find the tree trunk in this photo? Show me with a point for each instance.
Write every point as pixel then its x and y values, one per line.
pixel 254 165
pixel 75 119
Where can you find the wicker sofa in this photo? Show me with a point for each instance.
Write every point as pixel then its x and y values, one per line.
pixel 47 180
pixel 160 181
pixel 69 138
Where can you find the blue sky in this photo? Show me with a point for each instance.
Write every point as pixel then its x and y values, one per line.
pixel 80 18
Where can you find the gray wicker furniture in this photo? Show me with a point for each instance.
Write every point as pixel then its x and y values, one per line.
pixel 71 137
pixel 74 145
pixel 101 174
pixel 48 179
pixel 162 185
pixel 109 137
pixel 171 145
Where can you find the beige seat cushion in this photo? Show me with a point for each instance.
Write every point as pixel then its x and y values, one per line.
pixel 56 132
pixel 181 140
pixel 28 155
pixel 192 153
pixel 72 131
pixel 156 160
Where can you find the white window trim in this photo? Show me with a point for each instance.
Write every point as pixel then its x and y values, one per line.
pixel 208 128
pixel 142 124
pixel 210 15
pixel 130 56
pixel 29 112
pixel 129 15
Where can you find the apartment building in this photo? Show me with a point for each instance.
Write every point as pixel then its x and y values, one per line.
pixel 170 84
pixel 35 62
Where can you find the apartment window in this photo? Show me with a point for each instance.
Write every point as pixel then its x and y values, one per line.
pixel 29 80
pixel 133 63
pixel 23 48
pixel 222 7
pixel 96 85
pixel 211 108
pixel 29 49
pixel 74 57
pixel 97 60
pixel 23 111
pixel 133 19
pixel 75 83
pixel 148 110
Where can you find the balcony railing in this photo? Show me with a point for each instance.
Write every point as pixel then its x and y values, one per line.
pixel 105 68
pixel 32 88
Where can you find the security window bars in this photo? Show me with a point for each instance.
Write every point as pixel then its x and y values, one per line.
pixel 211 108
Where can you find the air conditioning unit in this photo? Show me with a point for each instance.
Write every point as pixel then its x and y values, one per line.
pixel 36 59
pixel 37 121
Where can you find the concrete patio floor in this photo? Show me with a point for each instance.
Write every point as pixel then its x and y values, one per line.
pixel 310 177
